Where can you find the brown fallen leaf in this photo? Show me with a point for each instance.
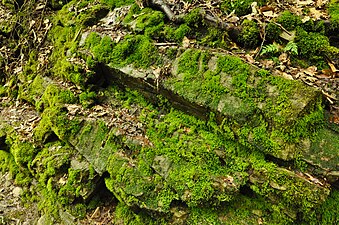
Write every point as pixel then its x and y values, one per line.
pixel 333 68
pixel 311 71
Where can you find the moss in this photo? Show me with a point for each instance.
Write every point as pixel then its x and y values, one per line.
pixel 289 21
pixel 272 31
pixel 311 44
pixel 8 163
pixel 143 52
pixel 2 91
pixel 194 18
pixel 32 92
pixel 124 215
pixel 241 7
pixel 215 38
pixel 138 50
pixel 296 195
pixel 203 216
pixel 249 35
pixel 327 213
pixel 54 119
pixel 55 96
pixel 117 3
pixel 64 36
pixel 23 153
pixel 150 22
pixel 103 49
pixel 333 10
pixel 87 99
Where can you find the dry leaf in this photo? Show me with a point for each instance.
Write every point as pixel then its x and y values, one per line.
pixel 316 14
pixel 305 19
pixel 185 42
pixel 270 14
pixel 311 70
pixel 233 19
pixel 304 3
pixel 287 76
pixel 249 58
pixel 333 69
pixel 283 58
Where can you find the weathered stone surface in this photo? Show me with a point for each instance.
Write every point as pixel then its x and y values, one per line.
pixel 266 110
pixel 323 154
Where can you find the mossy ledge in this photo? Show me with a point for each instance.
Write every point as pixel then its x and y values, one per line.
pixel 203 161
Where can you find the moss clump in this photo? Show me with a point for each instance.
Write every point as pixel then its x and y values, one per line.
pixel 334 13
pixel 194 18
pixel 215 38
pixel 134 49
pixel 87 99
pixel 312 47
pixel 55 96
pixel 327 213
pixel 55 120
pixel 117 3
pixel 241 7
pixel 289 21
pixel 273 32
pixel 249 35
pixel 150 22
pixel 33 92
pixel 64 36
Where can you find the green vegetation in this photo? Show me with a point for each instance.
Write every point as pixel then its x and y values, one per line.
pixel 161 164
pixel 134 49
pixel 334 13
pixel 241 7
pixel 249 35
pixel 289 21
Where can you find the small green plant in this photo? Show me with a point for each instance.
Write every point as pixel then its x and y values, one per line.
pixel 270 49
pixel 291 48
pixel 274 49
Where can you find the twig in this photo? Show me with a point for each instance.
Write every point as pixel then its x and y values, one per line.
pixel 283 28
pixel 262 43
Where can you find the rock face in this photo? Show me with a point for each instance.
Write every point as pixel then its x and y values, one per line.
pixel 178 134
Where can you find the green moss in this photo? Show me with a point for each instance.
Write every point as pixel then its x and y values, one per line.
pixel 124 215
pixel 117 3
pixel 23 153
pixel 2 91
pixel 328 212
pixel 138 50
pixel 150 22
pixel 55 120
pixel 194 18
pixel 215 38
pixel 241 7
pixel 289 21
pixel 272 31
pixel 87 99
pixel 311 44
pixel 249 35
pixel 55 96
pixel 8 163
pixel 333 10
pixel 33 92
pixel 203 216
pixel 103 49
